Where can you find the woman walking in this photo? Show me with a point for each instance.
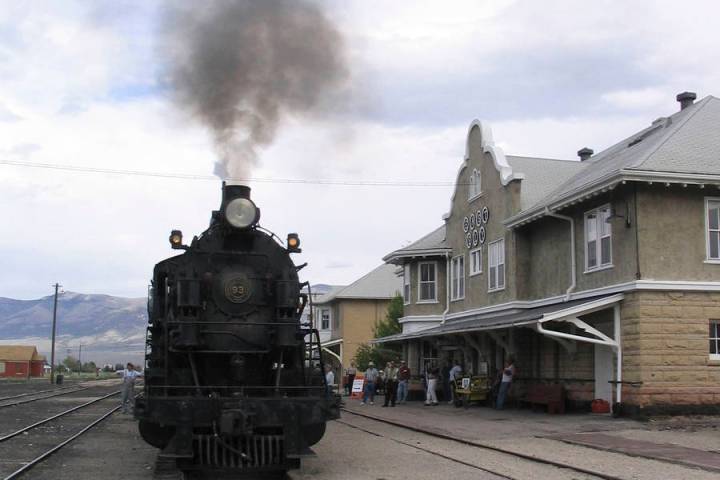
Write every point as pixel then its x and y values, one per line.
pixel 432 378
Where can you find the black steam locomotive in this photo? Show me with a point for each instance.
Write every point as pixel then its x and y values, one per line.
pixel 233 380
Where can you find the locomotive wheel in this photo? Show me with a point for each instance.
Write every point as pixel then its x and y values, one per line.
pixel 155 434
pixel 313 433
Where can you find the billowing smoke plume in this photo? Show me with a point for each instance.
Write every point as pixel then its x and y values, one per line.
pixel 241 66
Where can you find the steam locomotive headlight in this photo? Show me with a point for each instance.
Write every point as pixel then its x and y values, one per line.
pixel 241 213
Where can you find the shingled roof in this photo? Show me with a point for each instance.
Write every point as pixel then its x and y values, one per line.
pixel 380 283
pixel 19 353
pixel 431 244
pixel 684 147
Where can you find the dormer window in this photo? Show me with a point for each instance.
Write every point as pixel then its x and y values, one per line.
pixel 474 187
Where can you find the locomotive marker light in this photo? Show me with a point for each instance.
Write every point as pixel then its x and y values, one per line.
pixel 293 243
pixel 176 240
pixel 242 213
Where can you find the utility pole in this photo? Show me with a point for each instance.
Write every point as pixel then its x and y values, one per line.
pixel 52 354
pixel 80 361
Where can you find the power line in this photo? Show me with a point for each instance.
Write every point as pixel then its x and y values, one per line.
pixel 185 176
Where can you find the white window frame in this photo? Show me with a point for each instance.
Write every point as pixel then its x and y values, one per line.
pixel 457 278
pixel 708 258
pixel 407 286
pixel 716 338
pixel 476 271
pixel 494 262
pixel 329 318
pixel 434 283
pixel 474 185
pixel 600 223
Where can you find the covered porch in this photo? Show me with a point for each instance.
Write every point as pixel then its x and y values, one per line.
pixel 573 344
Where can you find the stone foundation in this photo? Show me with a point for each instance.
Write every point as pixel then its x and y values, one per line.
pixel 665 350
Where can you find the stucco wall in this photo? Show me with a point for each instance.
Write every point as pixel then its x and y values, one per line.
pixel 502 201
pixel 672 233
pixel 436 308
pixel 546 252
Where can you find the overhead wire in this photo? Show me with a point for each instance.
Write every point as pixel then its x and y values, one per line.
pixel 187 176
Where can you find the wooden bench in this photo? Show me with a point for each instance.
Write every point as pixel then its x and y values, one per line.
pixel 552 395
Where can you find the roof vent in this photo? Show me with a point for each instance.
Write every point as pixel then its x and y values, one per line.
pixel 585 153
pixel 686 99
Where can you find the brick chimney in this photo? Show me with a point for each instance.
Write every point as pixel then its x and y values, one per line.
pixel 686 99
pixel 585 153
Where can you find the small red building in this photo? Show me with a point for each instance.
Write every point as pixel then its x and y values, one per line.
pixel 20 361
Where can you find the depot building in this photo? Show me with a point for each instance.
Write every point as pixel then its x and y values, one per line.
pixel 601 275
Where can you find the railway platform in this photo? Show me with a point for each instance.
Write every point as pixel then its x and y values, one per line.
pixel 690 441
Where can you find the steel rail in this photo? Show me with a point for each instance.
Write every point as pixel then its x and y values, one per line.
pixel 28 400
pixel 57 447
pixel 427 450
pixel 470 443
pixel 61 414
pixel 35 393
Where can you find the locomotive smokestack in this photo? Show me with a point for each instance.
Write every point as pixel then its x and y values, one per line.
pixel 241 66
pixel 231 192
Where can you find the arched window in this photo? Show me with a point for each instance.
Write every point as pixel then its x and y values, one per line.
pixel 474 185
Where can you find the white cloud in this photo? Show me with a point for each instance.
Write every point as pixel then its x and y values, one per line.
pixel 551 77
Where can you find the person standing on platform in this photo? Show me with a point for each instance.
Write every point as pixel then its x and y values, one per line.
pixel 391 380
pixel 432 379
pixel 350 372
pixel 403 382
pixel 371 375
pixel 453 375
pixel 130 374
pixel 507 378
pixel 329 378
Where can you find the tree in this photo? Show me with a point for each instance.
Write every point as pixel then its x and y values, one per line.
pixel 377 354
pixel 72 363
pixel 89 367
pixel 390 325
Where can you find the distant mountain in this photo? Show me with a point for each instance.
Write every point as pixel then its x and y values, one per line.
pixel 101 323
pixel 78 315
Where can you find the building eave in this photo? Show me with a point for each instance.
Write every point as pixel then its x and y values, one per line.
pixel 608 183
pixel 430 252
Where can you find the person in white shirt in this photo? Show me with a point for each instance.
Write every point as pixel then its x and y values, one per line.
pixel 130 374
pixel 507 377
pixel 329 378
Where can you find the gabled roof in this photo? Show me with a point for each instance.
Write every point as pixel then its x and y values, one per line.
pixel 381 283
pixel 434 243
pixel 19 353
pixel 684 147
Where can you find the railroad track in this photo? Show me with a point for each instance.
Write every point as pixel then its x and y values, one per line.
pixel 511 453
pixel 41 395
pixel 42 443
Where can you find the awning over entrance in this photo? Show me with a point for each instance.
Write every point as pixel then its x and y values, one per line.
pixel 529 317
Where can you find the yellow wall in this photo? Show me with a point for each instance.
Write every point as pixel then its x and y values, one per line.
pixel 357 319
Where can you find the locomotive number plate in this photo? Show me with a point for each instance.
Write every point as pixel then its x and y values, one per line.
pixel 237 289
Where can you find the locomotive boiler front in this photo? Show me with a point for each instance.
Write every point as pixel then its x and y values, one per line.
pixel 229 367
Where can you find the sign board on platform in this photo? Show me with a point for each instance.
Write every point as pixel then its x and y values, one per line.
pixel 357 385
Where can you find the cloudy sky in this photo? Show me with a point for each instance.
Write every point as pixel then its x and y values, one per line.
pixel 80 86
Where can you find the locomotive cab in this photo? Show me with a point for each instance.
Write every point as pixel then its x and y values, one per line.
pixel 233 380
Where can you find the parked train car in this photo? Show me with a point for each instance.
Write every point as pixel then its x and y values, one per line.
pixel 233 381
